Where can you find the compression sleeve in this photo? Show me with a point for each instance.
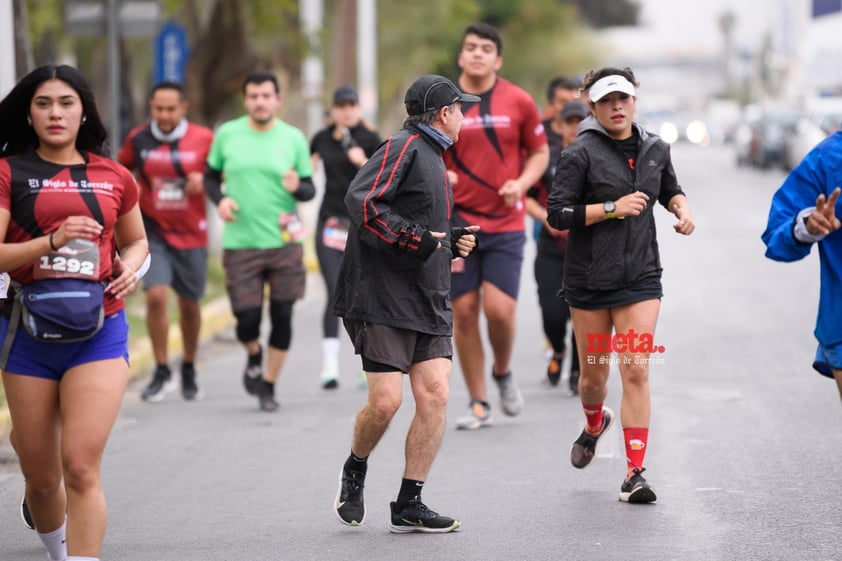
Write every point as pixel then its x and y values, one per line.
pixel 306 189
pixel 213 184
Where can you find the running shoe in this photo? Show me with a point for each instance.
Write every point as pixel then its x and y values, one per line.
pixel 636 490
pixel 329 378
pixel 416 517
pixel 478 416
pixel 159 386
pixel 189 389
pixel 253 374
pixel 511 400
pixel 585 448
pixel 348 505
pixel 554 371
pixel 25 515
pixel 266 397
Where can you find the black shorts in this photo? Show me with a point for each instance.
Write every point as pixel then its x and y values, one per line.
pixel 395 347
pixel 647 288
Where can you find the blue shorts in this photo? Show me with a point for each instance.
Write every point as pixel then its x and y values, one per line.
pixel 497 260
pixel 31 357
pixel 827 358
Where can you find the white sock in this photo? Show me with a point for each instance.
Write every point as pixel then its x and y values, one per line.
pixel 330 353
pixel 74 558
pixel 56 542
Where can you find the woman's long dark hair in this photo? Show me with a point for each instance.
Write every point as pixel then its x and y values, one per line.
pixel 16 134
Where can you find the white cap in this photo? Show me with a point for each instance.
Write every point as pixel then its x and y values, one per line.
pixel 608 84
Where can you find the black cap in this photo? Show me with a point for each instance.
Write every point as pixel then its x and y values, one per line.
pixel 574 108
pixel 431 92
pixel 345 94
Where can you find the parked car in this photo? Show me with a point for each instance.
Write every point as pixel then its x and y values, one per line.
pixel 812 127
pixel 760 140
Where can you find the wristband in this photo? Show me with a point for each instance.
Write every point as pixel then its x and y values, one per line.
pixel 799 227
pixel 52 244
pixel 144 267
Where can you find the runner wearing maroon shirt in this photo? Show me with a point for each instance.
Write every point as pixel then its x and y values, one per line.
pixel 168 155
pixel 551 249
pixel 66 211
pixel 502 153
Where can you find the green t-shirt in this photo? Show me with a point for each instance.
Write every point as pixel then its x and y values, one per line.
pixel 253 164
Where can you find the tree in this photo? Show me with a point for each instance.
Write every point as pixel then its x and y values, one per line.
pixel 608 13
pixel 23 53
pixel 229 38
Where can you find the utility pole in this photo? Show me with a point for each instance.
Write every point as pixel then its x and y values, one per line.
pixel 114 73
pixel 367 58
pixel 312 70
pixel 7 47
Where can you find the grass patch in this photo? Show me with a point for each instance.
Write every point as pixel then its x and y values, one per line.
pixel 136 302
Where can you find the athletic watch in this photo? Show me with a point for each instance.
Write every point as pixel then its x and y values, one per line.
pixel 609 207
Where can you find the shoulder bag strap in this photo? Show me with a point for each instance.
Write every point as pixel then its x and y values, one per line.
pixel 14 320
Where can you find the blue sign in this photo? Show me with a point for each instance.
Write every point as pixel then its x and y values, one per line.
pixel 824 7
pixel 171 52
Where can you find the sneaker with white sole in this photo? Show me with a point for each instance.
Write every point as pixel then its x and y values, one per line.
pixel 349 505
pixel 585 447
pixel 417 517
pixel 253 373
pixel 511 400
pixel 636 490
pixel 478 416
pixel 161 384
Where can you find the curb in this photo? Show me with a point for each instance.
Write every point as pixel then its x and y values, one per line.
pixel 216 317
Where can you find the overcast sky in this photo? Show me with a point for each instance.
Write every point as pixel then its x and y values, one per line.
pixel 682 25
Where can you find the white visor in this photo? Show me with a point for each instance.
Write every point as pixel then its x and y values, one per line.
pixel 608 84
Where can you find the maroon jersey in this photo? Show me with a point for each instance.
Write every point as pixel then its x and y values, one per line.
pixel 496 134
pixel 40 195
pixel 162 169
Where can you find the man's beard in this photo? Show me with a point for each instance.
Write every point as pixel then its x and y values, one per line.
pixel 263 120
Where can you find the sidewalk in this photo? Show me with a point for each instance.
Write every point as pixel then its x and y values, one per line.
pixel 216 317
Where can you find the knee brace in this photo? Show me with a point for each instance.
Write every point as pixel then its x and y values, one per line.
pixel 281 315
pixel 248 324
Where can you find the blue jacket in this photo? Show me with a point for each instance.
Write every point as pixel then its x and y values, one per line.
pixel 819 172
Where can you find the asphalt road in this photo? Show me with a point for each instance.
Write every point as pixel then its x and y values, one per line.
pixel 745 446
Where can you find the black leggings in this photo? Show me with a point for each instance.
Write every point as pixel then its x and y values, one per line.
pixel 280 313
pixel 555 313
pixel 329 262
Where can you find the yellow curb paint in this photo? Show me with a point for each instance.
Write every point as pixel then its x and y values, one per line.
pixel 216 317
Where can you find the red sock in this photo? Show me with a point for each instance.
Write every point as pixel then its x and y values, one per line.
pixel 594 415
pixel 635 446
